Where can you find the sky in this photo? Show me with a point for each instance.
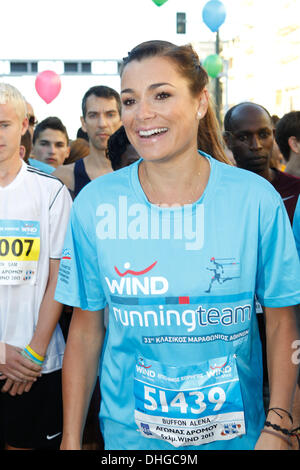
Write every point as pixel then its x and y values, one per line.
pixel 94 29
pixel 106 28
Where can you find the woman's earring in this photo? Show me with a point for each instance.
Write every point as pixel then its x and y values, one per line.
pixel 199 114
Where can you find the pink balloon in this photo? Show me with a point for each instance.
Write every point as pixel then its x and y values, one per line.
pixel 48 85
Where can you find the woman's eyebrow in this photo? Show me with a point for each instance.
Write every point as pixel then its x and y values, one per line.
pixel 151 87
pixel 156 85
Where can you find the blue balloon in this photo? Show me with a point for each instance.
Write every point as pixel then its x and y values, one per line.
pixel 214 14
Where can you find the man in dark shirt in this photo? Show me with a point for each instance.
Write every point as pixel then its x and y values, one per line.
pixel 249 135
pixel 101 109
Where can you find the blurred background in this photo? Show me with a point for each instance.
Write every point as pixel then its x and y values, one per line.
pixel 250 48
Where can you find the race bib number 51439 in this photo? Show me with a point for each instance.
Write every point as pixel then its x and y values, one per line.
pixel 190 405
pixel 19 251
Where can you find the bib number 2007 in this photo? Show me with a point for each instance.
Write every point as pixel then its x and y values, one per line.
pixel 17 247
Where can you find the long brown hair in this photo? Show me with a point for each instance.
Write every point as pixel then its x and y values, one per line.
pixel 210 138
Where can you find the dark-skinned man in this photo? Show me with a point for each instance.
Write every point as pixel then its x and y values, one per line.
pixel 249 134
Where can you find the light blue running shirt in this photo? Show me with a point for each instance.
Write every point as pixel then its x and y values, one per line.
pixel 181 365
pixel 41 165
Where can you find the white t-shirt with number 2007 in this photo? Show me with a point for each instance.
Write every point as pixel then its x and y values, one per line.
pixel 34 211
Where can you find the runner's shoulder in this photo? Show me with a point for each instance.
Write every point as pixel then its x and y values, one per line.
pixel 45 178
pixel 248 182
pixel 105 186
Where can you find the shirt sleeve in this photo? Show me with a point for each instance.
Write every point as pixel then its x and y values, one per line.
pixel 59 216
pixel 79 282
pixel 296 226
pixel 278 274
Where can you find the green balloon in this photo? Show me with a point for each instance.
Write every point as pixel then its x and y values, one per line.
pixel 213 65
pixel 159 3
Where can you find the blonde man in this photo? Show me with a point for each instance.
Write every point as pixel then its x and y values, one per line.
pixel 34 210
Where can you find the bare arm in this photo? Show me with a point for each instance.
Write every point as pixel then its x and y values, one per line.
pixel 80 368
pixel 19 369
pixel 66 174
pixel 281 332
pixel 49 314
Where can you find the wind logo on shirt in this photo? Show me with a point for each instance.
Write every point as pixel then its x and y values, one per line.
pixel 138 298
pixel 144 369
pixel 223 370
pixel 135 284
pixel 29 228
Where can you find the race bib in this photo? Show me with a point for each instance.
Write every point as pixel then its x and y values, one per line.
pixel 19 251
pixel 189 406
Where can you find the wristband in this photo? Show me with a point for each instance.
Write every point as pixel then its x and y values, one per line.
pixel 36 355
pixel 30 354
pixel 285 431
pixel 285 439
pixel 31 359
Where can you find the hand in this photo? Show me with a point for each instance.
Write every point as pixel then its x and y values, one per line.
pixel 15 388
pixel 18 368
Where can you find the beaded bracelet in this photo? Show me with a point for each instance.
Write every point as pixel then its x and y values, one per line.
pixel 286 432
pixel 278 428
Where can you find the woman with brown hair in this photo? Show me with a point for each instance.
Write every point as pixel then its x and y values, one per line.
pixel 178 244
